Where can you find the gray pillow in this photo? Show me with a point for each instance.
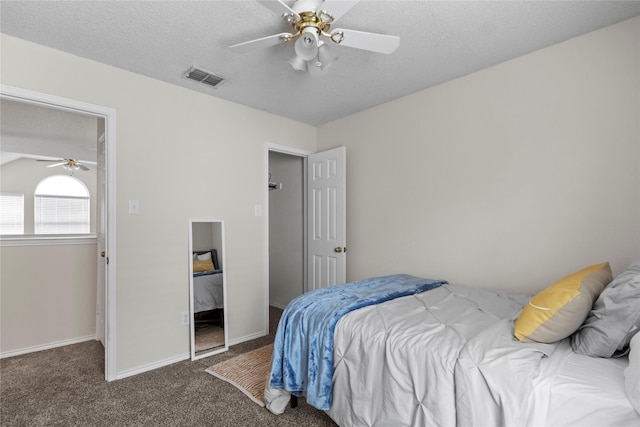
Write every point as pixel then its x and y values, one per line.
pixel 614 318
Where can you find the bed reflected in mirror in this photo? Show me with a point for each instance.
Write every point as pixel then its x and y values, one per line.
pixel 207 288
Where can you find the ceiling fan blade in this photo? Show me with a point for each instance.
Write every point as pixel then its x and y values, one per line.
pixel 373 42
pixel 82 167
pixel 57 164
pixel 279 8
pixel 261 42
pixel 337 8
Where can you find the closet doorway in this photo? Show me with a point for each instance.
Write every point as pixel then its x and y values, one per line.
pixel 286 204
pixel 305 235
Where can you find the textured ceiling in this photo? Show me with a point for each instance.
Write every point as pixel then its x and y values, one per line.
pixel 33 131
pixel 439 41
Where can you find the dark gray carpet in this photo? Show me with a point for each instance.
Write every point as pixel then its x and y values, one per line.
pixel 66 387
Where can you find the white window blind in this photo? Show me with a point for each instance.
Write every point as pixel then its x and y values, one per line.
pixel 61 215
pixel 11 213
pixel 61 206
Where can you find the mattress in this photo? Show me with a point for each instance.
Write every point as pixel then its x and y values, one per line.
pixel 588 391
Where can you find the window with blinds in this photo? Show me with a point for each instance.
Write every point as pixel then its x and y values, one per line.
pixel 61 206
pixel 11 213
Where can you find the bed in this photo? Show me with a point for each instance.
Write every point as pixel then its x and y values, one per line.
pixel 456 356
pixel 207 282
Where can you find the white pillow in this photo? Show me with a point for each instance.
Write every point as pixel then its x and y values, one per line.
pixel 632 373
pixel 205 256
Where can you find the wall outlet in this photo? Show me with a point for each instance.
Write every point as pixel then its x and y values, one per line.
pixel 184 318
pixel 134 206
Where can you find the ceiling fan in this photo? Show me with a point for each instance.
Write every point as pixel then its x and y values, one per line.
pixel 71 165
pixel 311 22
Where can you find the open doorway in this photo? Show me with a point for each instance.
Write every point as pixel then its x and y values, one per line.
pixel 305 227
pixel 285 221
pixel 286 228
pixel 102 237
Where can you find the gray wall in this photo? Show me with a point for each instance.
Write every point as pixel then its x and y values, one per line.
pixel 286 276
pixel 511 177
pixel 182 154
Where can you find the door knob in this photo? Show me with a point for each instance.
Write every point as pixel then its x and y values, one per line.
pixel 102 254
pixel 338 249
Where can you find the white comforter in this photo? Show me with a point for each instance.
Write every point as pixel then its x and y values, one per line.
pixel 447 357
pixel 207 292
pixel 398 363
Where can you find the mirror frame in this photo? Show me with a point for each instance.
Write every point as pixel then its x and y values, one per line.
pixel 222 258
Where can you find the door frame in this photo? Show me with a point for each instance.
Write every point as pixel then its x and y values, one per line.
pixel 303 154
pixel 109 116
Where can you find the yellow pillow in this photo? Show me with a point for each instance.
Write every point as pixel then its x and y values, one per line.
pixel 200 265
pixel 558 311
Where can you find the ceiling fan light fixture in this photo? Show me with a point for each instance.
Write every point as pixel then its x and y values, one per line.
pixel 311 22
pixel 298 63
pixel 71 166
pixel 326 57
pixel 306 46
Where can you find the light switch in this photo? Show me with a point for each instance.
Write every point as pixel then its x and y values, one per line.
pixel 134 206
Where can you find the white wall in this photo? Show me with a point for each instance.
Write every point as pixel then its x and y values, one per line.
pixel 508 178
pixel 202 235
pixel 183 154
pixel 48 293
pixel 511 177
pixel 286 251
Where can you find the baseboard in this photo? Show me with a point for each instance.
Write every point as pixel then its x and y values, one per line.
pixel 152 366
pixel 180 358
pixel 276 305
pixel 46 346
pixel 247 338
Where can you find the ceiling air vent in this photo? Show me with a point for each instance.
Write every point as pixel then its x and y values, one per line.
pixel 203 76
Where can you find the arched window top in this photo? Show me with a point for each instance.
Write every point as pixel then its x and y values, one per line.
pixel 62 185
pixel 61 206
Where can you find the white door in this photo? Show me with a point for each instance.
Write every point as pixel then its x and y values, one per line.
pixel 326 225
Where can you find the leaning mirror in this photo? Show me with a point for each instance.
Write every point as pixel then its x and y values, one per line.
pixel 207 288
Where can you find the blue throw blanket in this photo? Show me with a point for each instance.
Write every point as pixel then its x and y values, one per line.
pixel 303 348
